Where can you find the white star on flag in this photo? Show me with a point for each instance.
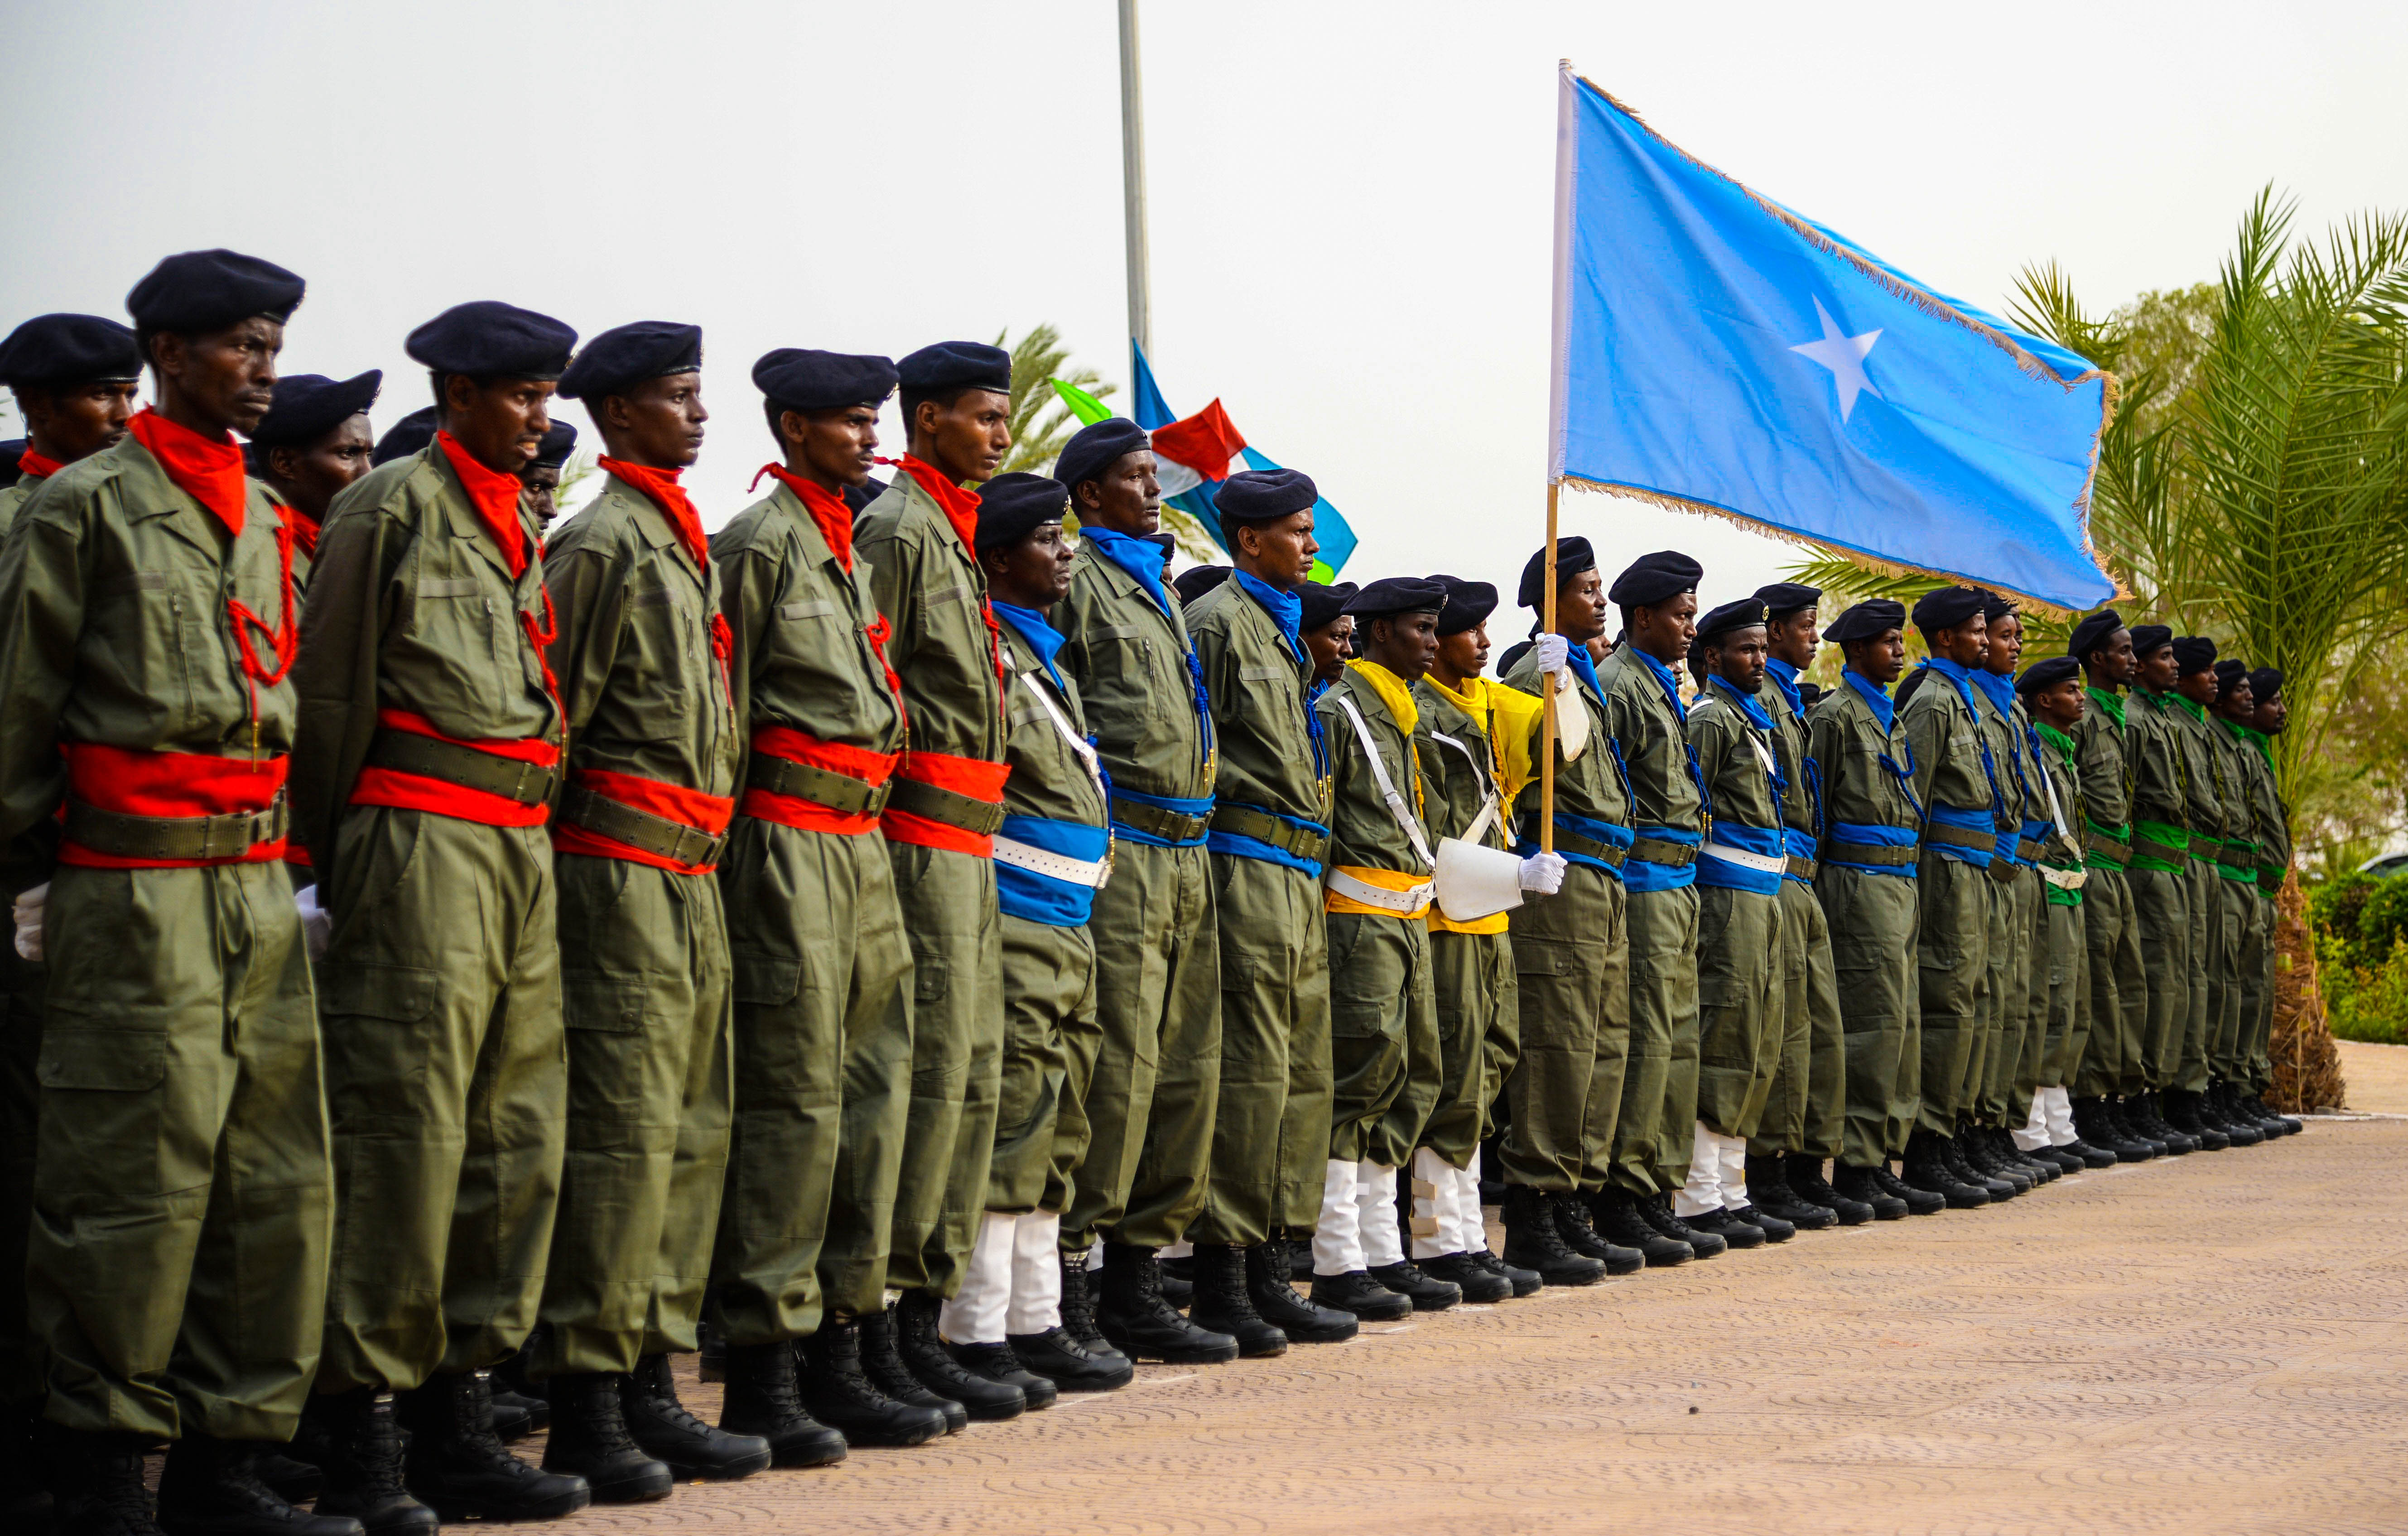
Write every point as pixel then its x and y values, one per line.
pixel 1845 355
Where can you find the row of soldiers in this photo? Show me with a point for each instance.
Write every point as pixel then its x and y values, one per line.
pixel 955 961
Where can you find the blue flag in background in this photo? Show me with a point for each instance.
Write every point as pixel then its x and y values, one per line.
pixel 1716 352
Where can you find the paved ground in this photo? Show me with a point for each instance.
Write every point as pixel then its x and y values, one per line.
pixel 2208 1344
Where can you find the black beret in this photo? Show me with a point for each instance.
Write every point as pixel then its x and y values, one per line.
pixel 1867 620
pixel 1399 594
pixel 405 437
pixel 2148 637
pixel 1809 694
pixel 1945 607
pixel 310 406
pixel 1572 556
pixel 1783 598
pixel 2194 653
pixel 1652 578
pixel 1323 606
pixel 553 450
pixel 2093 632
pixel 487 338
pixel 69 349
pixel 801 380
pixel 1095 448
pixel 1511 654
pixel 1259 495
pixel 1995 607
pixel 1013 506
pixel 2047 673
pixel 1733 616
pixel 2265 683
pixel 1194 581
pixel 627 355
pixel 2231 672
pixel 956 365
pixel 10 472
pixel 210 290
pixel 1468 604
pixel 858 497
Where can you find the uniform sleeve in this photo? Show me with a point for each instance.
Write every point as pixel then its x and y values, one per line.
pixel 335 675
pixel 1711 736
pixel 41 618
pixel 894 581
pixel 1826 747
pixel 589 604
pixel 1926 737
pixel 747 597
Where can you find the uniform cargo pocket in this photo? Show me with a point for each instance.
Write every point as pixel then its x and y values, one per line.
pixel 402 993
pixel 102 1061
pixel 1538 958
pixel 929 977
pixel 766 980
pixel 592 1000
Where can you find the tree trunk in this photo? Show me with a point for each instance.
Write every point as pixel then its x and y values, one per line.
pixel 2307 1064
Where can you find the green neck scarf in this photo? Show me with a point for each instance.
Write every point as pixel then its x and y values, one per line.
pixel 2111 701
pixel 2196 711
pixel 2059 739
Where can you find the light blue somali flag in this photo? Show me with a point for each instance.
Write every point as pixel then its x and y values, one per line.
pixel 1716 352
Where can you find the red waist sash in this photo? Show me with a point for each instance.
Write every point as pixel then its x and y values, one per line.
pixel 409 791
pixel 871 769
pixel 187 786
pixel 955 813
pixel 705 814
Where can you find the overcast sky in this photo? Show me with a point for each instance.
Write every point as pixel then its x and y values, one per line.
pixel 1352 202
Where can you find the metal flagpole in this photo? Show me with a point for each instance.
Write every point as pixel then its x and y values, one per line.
pixel 1565 139
pixel 1133 182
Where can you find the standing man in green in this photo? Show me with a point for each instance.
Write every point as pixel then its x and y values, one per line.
pixel 429 751
pixel 2212 939
pixel 1740 870
pixel 1571 957
pixel 640 656
pixel 2159 875
pixel 176 1264
pixel 312 444
pixel 1865 881
pixel 1157 1073
pixel 822 971
pixel 1807 1104
pixel 1268 839
pixel 2052 692
pixel 940 823
pixel 2020 936
pixel 2268 712
pixel 2110 1066
pixel 2236 869
pixel 1646 726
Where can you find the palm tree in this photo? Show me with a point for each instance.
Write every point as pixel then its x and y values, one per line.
pixel 1041 422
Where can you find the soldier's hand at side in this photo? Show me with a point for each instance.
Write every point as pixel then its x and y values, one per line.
pixel 317 926
pixel 28 913
pixel 1544 872
pixel 1551 649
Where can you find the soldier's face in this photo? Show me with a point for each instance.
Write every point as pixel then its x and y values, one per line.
pixel 1126 497
pixel 1034 573
pixel 1581 607
pixel 77 421
pixel 1740 657
pixel 2115 659
pixel 2159 669
pixel 2237 704
pixel 1882 660
pixel 1666 630
pixel 310 476
pixel 501 422
pixel 657 423
pixel 967 439
pixel 835 447
pixel 1795 638
pixel 2271 716
pixel 2198 687
pixel 1329 647
pixel 2061 705
pixel 2006 652
pixel 1282 550
pixel 1405 643
pixel 1465 654
pixel 542 482
pixel 225 378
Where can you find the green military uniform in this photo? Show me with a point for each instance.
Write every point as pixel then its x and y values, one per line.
pixel 932 592
pixel 1741 1028
pixel 2010 1066
pixel 2110 1060
pixel 1270 1135
pixel 2271 821
pixel 440 989
pixel 2159 877
pixel 1806 1108
pixel 1571 965
pixel 821 969
pixel 1865 882
pixel 1645 722
pixel 1956 777
pixel 1157 1075
pixel 2212 940
pixel 2067 1026
pixel 2238 765
pixel 175 1261
pixel 653 754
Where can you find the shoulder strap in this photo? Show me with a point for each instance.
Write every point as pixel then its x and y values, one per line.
pixel 1076 743
pixel 1396 807
pixel 1479 827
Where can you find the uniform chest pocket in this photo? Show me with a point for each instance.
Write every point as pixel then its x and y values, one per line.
pixel 663 665
pixel 148 627
pixel 461 633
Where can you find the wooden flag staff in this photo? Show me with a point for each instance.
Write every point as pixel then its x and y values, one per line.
pixel 1555 679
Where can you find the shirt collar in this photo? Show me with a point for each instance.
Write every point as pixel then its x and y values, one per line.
pixel 1784 677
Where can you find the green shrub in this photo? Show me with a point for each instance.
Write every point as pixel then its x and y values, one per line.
pixel 2360 929
pixel 2371 1003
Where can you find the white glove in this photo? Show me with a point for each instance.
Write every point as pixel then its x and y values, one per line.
pixel 1543 873
pixel 29 922
pixel 316 925
pixel 1551 649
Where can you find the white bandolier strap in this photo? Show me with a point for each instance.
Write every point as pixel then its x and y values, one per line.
pixel 1763 863
pixel 1479 827
pixel 1396 807
pixel 1407 903
pixel 1076 872
pixel 2065 879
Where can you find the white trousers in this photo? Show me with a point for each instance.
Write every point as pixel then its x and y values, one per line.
pixel 1717 1175
pixel 1013 1283
pixel 2060 1117
pixel 1446 1208
pixel 2033 1133
pixel 1358 1228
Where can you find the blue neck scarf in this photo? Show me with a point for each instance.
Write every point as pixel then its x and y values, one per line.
pixel 1145 560
pixel 1755 716
pixel 1784 677
pixel 1999 689
pixel 1874 694
pixel 1579 661
pixel 1041 636
pixel 1287 611
pixel 1672 686
pixel 1963 678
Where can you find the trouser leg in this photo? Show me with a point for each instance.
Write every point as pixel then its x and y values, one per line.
pixel 1739 1024
pixel 1952 976
pixel 1338 1229
pixel 1572 1014
pixel 2069 1033
pixel 1871 921
pixel 447 1080
pixel 21 982
pixel 1674 963
pixel 181 1211
pixel 2260 1030
pixel 1826 1049
pixel 1437 1196
pixel 2022 1075
pixel 1788 1031
pixel 1274 1005
pixel 1663 930
pixel 2228 1061
pixel 2161 904
pixel 1383 1037
pixel 2111 960
pixel 1035 1273
pixel 1471 983
pixel 2208 971
pixel 1049 1001
pixel 978 1309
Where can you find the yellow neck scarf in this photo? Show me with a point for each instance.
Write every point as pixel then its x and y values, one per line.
pixel 1509 717
pixel 1392 692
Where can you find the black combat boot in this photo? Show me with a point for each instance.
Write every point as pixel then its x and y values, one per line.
pixel 520 1407
pixel 590 1439
pixel 1957 1151
pixel 1852 1209
pixel 1525 1282
pixel 1078 1312
pixel 1769 1192
pixel 2180 1110
pixel 1863 1186
pixel 25 1500
pixel 933 1366
pixel 1773 1228
pixel 999 1364
pixel 1723 1223
pixel 2274 1120
pixel 1177 1281
pixel 458 1468
pixel 1534 1240
pixel 293 1480
pixel 1578 1223
pixel 1055 1357
pixel 2097 1123
pixel 852 1380
pixel 1977 1148
pixel 1918 1202
pixel 1355 1291
pixel 2230 1119
pixel 2144 1114
pixel 361 1460
pixel 1270 1285
pixel 212 1488
pixel 680 1439
pixel 1142 1324
pixel 96 1483
pixel 1425 1290
pixel 765 1400
pixel 1300 1257
pixel 1479 1283
pixel 1656 1211
pixel 1223 1305
pixel 1928 1170
pixel 1620 1221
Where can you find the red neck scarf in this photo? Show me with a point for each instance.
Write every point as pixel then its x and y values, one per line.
pixel 304 530
pixel 209 472
pixel 827 508
pixel 960 506
pixel 495 497
pixel 33 466
pixel 660 486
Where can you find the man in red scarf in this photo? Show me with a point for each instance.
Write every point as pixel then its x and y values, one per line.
pixel 823 1011
pixel 311 445
pixel 940 823
pixel 429 750
pixel 179 1241
pixel 653 755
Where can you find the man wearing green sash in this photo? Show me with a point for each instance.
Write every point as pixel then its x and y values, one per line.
pixel 2159 877
pixel 2110 1067
pixel 2212 940
pixel 2237 884
pixel 2052 692
pixel 2269 714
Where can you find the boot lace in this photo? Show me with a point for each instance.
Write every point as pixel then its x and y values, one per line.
pixel 375 1452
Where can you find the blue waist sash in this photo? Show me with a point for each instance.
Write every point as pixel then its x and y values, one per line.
pixel 1798 845
pixel 1767 841
pixel 1969 837
pixel 1036 898
pixel 1177 807
pixel 1872 849
pixel 1607 833
pixel 1239 846
pixel 1643 876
